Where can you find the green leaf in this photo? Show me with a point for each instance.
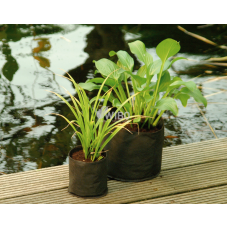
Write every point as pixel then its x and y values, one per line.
pixel 167 48
pixel 145 87
pixel 196 94
pixel 108 68
pixel 148 98
pixel 138 48
pixel 140 81
pixel 89 86
pixel 190 85
pixel 167 103
pixel 137 120
pixel 142 71
pixel 94 99
pixel 175 79
pixel 109 81
pixel 116 103
pixel 141 88
pixel 183 98
pixel 164 82
pixel 126 60
pixel 121 78
pixel 112 53
pixel 100 157
pixel 148 59
pixel 154 68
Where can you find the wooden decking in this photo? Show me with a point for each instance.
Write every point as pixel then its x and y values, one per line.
pixel 194 173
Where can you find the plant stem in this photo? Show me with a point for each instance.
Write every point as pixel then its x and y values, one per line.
pixel 128 93
pixel 146 112
pixel 158 118
pixel 157 85
pixel 156 111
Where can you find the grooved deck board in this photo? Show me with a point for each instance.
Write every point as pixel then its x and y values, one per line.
pixel 190 167
pixel 172 182
pixel 194 153
pixel 215 195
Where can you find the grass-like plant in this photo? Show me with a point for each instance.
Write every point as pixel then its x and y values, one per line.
pixel 92 132
pixel 154 95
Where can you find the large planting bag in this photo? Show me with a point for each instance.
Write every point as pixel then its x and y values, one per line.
pixel 137 156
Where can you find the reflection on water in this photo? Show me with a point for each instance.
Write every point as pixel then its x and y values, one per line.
pixel 32 55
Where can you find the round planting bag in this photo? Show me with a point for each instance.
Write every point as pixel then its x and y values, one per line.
pixel 87 179
pixel 135 157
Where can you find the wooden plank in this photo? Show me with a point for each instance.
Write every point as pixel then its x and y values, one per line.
pixel 194 153
pixel 173 181
pixel 215 195
pixel 48 179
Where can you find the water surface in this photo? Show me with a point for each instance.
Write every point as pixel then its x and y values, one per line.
pixel 31 56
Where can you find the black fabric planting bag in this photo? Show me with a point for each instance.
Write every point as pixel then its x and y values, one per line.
pixel 87 179
pixel 135 157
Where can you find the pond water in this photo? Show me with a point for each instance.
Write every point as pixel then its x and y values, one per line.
pixel 31 56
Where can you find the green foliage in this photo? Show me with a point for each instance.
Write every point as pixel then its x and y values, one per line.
pixel 154 96
pixel 93 132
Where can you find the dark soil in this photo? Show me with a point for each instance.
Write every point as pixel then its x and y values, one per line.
pixel 80 156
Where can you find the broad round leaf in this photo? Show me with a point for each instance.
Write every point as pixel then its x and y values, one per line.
pixel 109 81
pixel 89 86
pixel 140 81
pixel 167 103
pixel 164 82
pixel 148 59
pixel 183 98
pixel 126 60
pixel 142 71
pixel 190 85
pixel 167 48
pixel 154 68
pixel 108 68
pixel 196 94
pixel 138 48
